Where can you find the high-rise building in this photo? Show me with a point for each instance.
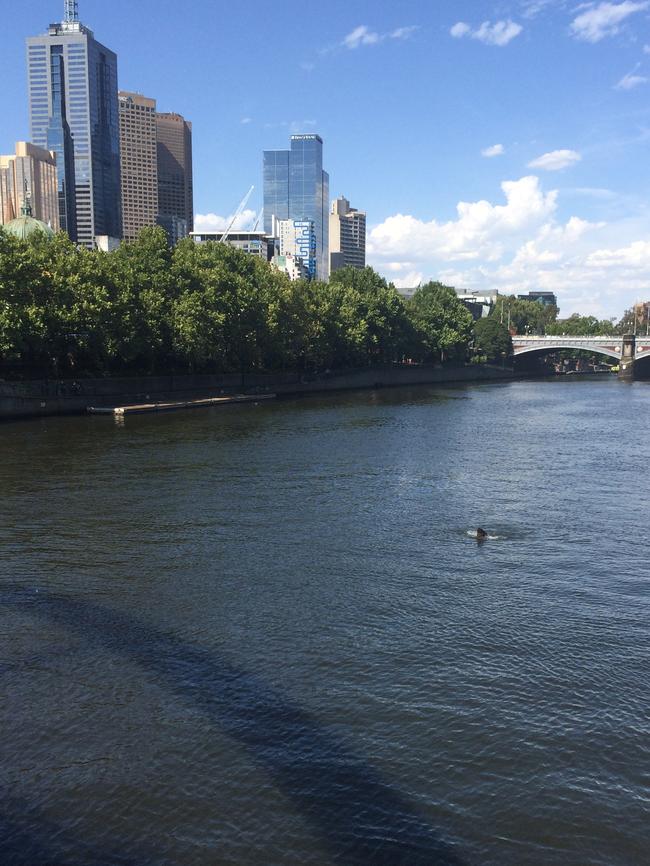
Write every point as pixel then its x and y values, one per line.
pixel 297 238
pixel 296 188
pixel 347 236
pixel 138 162
pixel 73 111
pixel 29 176
pixel 175 185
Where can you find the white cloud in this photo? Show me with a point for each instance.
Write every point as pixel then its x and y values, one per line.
pixel 520 245
pixel 212 222
pixel 495 150
pixel 404 32
pixel 532 8
pixel 630 81
pixel 500 33
pixel 460 29
pixel 556 160
pixel 604 20
pixel 478 231
pixel 497 34
pixel 246 120
pixel 635 256
pixel 590 192
pixel 408 280
pixel 363 36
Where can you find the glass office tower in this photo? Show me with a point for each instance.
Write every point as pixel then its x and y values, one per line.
pixel 59 139
pixel 74 111
pixel 297 188
pixel 276 187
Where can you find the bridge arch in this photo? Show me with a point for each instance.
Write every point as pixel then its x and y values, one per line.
pixel 557 347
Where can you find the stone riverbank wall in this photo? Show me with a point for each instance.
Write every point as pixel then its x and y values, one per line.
pixel 68 397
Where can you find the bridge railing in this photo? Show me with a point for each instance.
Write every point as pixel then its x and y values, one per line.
pixel 564 338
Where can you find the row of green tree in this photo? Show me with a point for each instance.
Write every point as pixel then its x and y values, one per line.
pixel 531 317
pixel 146 308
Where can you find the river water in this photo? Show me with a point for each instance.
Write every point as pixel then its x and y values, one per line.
pixel 262 635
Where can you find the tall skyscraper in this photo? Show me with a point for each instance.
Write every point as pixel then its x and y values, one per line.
pixel 138 162
pixel 73 111
pixel 297 188
pixel 347 236
pixel 175 185
pixel 29 175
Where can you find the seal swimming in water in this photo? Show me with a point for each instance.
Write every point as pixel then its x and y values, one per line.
pixel 481 534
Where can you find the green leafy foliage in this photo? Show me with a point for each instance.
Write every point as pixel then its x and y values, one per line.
pixel 581 326
pixel 635 320
pixel 442 325
pixel 492 340
pixel 146 309
pixel 523 317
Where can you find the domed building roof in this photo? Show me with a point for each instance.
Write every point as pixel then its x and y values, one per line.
pixel 25 226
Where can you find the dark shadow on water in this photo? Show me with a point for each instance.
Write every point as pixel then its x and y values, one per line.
pixel 52 845
pixel 361 818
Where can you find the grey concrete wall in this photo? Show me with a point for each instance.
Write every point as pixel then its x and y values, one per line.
pixel 50 397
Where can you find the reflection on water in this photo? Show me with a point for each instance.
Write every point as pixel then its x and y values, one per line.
pixel 264 635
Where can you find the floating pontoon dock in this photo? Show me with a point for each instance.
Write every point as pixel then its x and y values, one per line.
pixel 173 406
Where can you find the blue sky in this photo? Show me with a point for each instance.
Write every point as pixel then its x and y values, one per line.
pixel 492 144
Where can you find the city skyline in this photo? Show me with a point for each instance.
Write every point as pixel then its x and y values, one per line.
pixel 534 120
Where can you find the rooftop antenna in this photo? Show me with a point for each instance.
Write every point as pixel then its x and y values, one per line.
pixel 71 11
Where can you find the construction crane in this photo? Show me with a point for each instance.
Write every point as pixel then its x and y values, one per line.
pixel 258 220
pixel 238 213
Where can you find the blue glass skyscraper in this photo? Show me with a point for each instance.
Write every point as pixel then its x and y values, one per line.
pixel 297 188
pixel 73 110
pixel 59 139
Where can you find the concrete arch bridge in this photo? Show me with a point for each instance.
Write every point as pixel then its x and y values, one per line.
pixel 627 350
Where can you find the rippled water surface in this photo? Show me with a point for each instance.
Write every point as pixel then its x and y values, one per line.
pixel 263 636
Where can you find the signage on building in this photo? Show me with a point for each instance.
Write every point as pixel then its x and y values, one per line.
pixel 306 244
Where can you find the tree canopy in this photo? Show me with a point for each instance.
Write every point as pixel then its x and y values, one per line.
pixel 145 308
pixel 635 320
pixel 148 309
pixel 492 339
pixel 581 326
pixel 442 323
pixel 524 317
